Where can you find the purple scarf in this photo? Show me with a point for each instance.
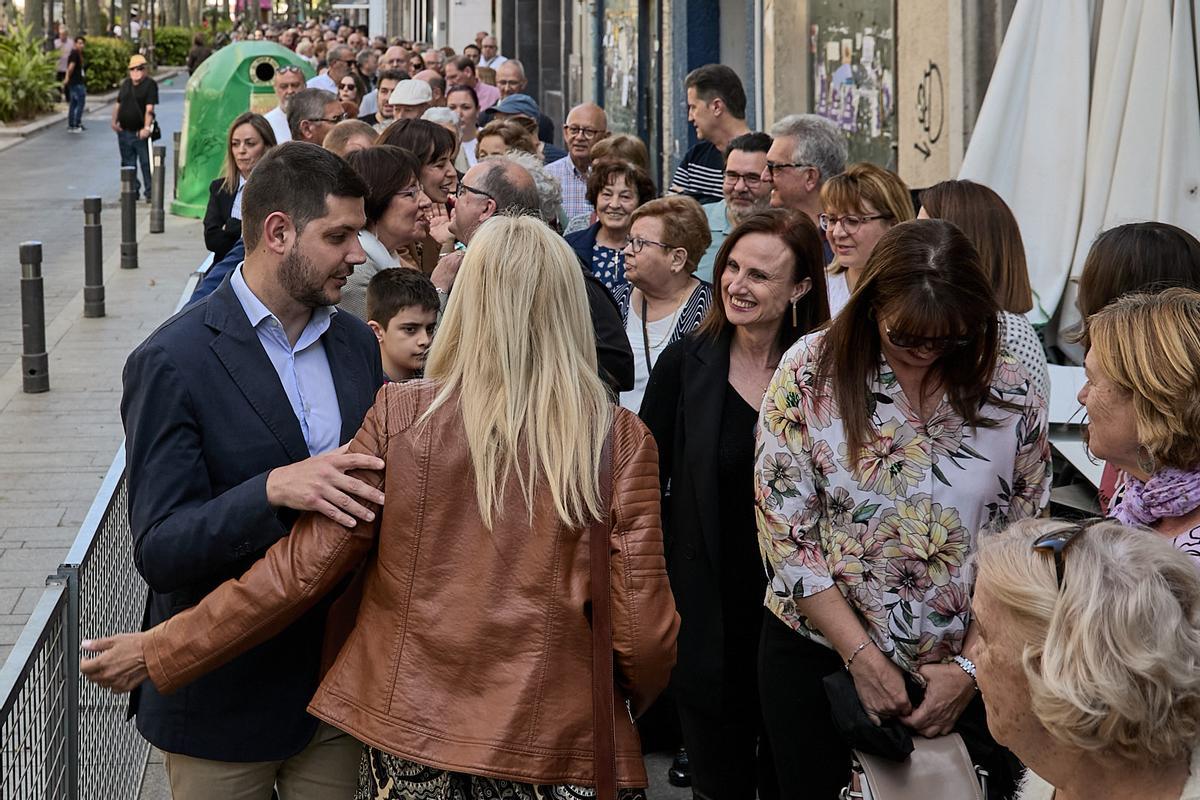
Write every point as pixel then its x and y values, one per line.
pixel 1169 493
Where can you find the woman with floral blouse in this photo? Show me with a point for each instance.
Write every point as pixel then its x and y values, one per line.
pixel 887 443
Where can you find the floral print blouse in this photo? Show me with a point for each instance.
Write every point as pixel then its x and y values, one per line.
pixel 894 527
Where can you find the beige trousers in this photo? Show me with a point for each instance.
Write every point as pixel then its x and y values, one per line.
pixel 327 769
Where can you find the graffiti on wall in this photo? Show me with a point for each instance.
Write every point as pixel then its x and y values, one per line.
pixel 931 110
pixel 852 51
pixel 621 64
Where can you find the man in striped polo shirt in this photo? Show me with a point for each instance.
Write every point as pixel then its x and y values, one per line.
pixel 716 105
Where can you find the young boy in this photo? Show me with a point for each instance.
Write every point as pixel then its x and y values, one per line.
pixel 402 309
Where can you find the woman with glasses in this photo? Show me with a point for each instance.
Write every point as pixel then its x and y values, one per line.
pixel 702 405
pixel 860 205
pixel 1143 407
pixel 397 211
pixel 250 137
pixel 349 96
pixel 663 300
pixel 888 443
pixel 615 189
pixel 434 147
pixel 1088 647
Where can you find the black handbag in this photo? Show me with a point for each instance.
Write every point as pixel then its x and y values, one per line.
pixel 155 131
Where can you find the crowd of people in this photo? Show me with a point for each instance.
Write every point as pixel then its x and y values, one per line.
pixel 803 402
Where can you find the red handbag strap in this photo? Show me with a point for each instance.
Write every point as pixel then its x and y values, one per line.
pixel 604 723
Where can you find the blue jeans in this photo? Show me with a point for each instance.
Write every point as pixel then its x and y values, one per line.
pixel 76 95
pixel 134 150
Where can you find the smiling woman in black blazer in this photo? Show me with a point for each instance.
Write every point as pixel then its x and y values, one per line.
pixel 702 404
pixel 250 137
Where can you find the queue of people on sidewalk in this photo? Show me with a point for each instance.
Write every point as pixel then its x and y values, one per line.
pixel 809 413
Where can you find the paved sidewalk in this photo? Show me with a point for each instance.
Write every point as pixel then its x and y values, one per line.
pixel 57 446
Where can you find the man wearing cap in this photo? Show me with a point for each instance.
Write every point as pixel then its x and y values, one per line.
pixel 133 119
pixel 288 80
pixel 411 99
pixel 522 105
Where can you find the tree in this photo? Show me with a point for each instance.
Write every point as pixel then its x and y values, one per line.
pixel 35 17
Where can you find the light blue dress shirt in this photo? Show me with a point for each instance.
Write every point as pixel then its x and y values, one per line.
pixel 303 370
pixel 719 227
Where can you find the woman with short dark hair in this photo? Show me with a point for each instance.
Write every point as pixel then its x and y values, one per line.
pixel 615 189
pixel 701 404
pixel 397 210
pixel 889 441
pixel 434 147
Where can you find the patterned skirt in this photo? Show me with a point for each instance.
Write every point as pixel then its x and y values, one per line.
pixel 385 777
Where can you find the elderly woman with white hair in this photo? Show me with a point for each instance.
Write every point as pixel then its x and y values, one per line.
pixel 1089 659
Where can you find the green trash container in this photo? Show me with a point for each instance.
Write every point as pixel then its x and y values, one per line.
pixel 235 79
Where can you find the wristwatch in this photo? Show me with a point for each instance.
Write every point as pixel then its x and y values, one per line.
pixel 967 666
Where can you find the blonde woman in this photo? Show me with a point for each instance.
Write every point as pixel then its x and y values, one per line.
pixel 861 205
pixel 471 642
pixel 1088 658
pixel 250 137
pixel 1143 401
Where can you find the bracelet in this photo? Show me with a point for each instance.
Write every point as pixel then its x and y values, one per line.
pixel 967 666
pixel 857 650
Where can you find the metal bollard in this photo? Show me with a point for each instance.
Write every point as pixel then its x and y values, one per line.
pixel 129 197
pixel 35 364
pixel 93 259
pixel 178 140
pixel 157 188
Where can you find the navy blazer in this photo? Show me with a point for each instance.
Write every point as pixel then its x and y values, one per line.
pixel 206 418
pixel 583 242
pixel 221 230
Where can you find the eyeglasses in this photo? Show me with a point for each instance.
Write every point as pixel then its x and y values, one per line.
pixel 139 68
pixel 635 244
pixel 286 68
pixel 463 189
pixel 1057 542
pixel 753 180
pixel 349 86
pixel 773 167
pixel 334 120
pixel 587 133
pixel 938 344
pixel 507 84
pixel 850 222
pixel 410 193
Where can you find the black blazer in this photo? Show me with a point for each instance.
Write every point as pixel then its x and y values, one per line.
pixel 206 419
pixel 682 407
pixel 613 353
pixel 221 231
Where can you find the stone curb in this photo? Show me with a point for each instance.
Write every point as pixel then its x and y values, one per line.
pixel 94 104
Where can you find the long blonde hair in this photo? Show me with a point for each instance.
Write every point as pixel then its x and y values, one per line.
pixel 516 347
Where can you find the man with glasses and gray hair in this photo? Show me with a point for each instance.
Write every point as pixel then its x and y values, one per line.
pixel 312 113
pixel 807 151
pixel 341 62
pixel 586 124
pixel 288 81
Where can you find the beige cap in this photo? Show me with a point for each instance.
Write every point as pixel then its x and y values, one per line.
pixel 411 93
pixel 136 60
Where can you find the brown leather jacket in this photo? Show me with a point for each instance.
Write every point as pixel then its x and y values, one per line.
pixel 471 649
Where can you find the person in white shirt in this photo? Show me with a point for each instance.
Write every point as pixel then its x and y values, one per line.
pixel 288 80
pixel 490 57
pixel 341 62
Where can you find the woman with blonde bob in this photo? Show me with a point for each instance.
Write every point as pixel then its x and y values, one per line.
pixel 1143 401
pixel 1088 659
pixel 861 205
pixel 471 641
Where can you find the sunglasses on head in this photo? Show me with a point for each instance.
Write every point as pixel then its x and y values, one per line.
pixel 1057 541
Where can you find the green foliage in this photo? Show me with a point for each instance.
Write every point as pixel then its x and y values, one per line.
pixel 107 61
pixel 172 44
pixel 28 85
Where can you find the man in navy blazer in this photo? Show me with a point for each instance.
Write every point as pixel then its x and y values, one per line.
pixel 236 414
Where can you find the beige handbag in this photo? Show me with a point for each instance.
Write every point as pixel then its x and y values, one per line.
pixel 937 769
